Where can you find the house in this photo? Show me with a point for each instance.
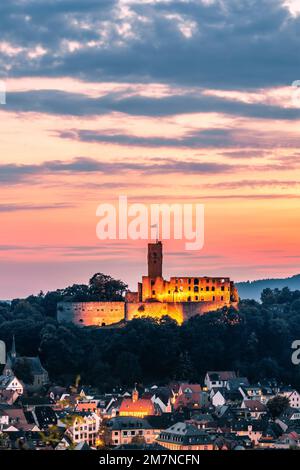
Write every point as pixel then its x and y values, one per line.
pixel 8 397
pixel 271 433
pixel 288 440
pixel 110 407
pixel 289 418
pixel 294 398
pixel 221 396
pixel 184 436
pixel 203 421
pixel 218 397
pixel 84 427
pixel 10 383
pixel 215 379
pixel 86 406
pixel 252 429
pixel 255 408
pixel 128 429
pixel 14 419
pixel 191 396
pixel 252 392
pixel 137 407
pixel 162 397
pixel 230 441
pixel 161 422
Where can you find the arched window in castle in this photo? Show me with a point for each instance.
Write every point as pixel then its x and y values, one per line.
pixel 213 288
pixel 196 289
pixel 207 288
pixel 196 282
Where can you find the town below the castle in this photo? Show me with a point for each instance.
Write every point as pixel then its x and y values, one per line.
pixel 222 412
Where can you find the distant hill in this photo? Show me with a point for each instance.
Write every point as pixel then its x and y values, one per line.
pixel 253 289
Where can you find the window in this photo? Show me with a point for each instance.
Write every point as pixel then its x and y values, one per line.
pixel 196 282
pixel 207 288
pixel 196 289
pixel 196 297
pixel 153 292
pixel 189 298
pixel 222 288
pixel 213 288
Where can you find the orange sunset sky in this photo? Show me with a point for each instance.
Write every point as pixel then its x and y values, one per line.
pixel 162 101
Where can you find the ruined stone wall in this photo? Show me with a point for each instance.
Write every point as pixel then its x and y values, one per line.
pixel 179 311
pixel 91 313
pixel 187 289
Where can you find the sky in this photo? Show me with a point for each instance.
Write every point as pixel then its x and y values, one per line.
pixel 161 101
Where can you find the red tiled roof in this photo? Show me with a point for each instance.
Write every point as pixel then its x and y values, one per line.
pixel 254 405
pixel 196 388
pixel 143 405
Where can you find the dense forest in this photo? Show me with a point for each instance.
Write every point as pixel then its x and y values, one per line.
pixel 255 341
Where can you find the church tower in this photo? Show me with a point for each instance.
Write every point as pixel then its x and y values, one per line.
pixel 135 394
pixel 155 259
pixel 13 353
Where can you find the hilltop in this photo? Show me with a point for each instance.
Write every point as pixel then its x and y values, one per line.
pixel 253 289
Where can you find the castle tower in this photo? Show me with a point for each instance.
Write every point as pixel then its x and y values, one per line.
pixel 2 353
pixel 155 258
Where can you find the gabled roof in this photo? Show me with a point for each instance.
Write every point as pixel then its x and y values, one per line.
pixel 190 388
pixel 255 405
pixel 5 380
pixel 221 375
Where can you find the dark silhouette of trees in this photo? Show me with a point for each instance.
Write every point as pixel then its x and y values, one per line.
pixel 255 341
pixel 277 405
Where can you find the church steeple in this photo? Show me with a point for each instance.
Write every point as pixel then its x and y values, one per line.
pixel 13 352
pixel 135 394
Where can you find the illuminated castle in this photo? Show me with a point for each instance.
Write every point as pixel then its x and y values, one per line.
pixel 180 298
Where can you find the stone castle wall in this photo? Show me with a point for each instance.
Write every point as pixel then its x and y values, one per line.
pixel 179 311
pixel 91 313
pixel 109 313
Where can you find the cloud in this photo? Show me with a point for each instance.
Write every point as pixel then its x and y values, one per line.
pixel 253 184
pixel 184 102
pixel 224 43
pixel 31 207
pixel 229 137
pixel 15 173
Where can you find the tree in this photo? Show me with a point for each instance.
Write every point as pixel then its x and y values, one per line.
pixel 103 287
pixel 277 405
